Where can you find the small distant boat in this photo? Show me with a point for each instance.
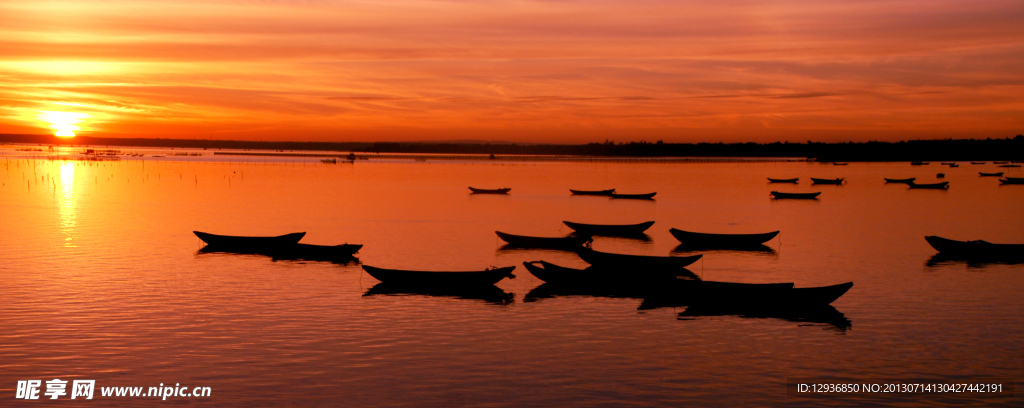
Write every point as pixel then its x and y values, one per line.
pixel 598 258
pixel 805 196
pixel 839 164
pixel 999 174
pixel 827 181
pixel 947 163
pixel 486 191
pixel 522 241
pixel 699 239
pixel 593 192
pixel 934 186
pixel 1010 165
pixel 1012 180
pixel 609 229
pixel 316 252
pixel 917 163
pixel 249 244
pixel 647 196
pixel 1000 162
pixel 977 162
pixel 903 181
pixel 940 175
pixel 954 165
pixel 977 248
pixel 791 181
pixel 329 161
pixel 440 278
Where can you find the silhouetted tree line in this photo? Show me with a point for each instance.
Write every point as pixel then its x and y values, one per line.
pixel 948 149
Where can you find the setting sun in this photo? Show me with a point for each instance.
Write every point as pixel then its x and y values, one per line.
pixel 63 122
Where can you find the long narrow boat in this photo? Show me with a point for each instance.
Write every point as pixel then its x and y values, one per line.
pixel 903 181
pixel 804 196
pixel 839 164
pixel 1000 162
pixel 947 163
pixel 440 278
pixel 592 192
pixel 491 191
pixel 999 174
pixel 933 186
pixel 826 181
pixel 742 295
pixel 1012 180
pixel 316 252
pixel 594 276
pixel 790 181
pixel 570 242
pixel 917 163
pixel 647 196
pixel 609 229
pixel 608 259
pixel 249 243
pixel 979 248
pixel 721 240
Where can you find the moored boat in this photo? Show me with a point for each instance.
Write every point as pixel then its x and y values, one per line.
pixel 827 181
pixel 999 174
pixel 490 191
pixel 647 196
pixel 570 242
pixel 608 259
pixel 593 192
pixel 839 164
pixel 978 162
pixel 744 295
pixel 790 181
pixel 1012 180
pixel 903 181
pixel 705 240
pixel 933 186
pixel 804 196
pixel 236 243
pixel 609 229
pixel 1000 162
pixel 316 252
pixel 440 278
pixel 978 248
pixel 917 163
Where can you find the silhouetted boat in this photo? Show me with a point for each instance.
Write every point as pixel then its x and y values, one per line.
pixel 1012 180
pixel 607 259
pixel 741 295
pixel 805 196
pixel 592 192
pixel 999 174
pixel 309 252
pixel 721 240
pixel 609 229
pixel 903 181
pixel 979 248
pixel 599 276
pixel 947 163
pixel 440 278
pixel 791 181
pixel 486 191
pixel 954 165
pixel 826 181
pixel 249 244
pixel 839 164
pixel 486 293
pixel 1000 162
pixel 977 162
pixel 934 186
pixel 917 163
pixel 940 175
pixel 570 242
pixel 647 196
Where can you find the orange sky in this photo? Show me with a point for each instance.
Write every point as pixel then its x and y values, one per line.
pixel 526 71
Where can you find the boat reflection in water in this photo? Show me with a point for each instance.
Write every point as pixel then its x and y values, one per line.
pixel 826 316
pixel 297 252
pixel 490 294
pixel 757 250
pixel 944 259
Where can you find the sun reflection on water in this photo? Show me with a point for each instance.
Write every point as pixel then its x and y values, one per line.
pixel 68 206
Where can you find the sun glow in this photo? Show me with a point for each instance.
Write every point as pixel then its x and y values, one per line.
pixel 64 122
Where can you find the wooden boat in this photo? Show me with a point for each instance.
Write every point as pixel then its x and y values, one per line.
pixel 440 278
pixel 934 186
pixel 1000 162
pixel 486 191
pixel 979 248
pixel 721 240
pixel 977 162
pixel 249 244
pixel 1012 180
pixel 999 174
pixel 804 196
pixel 570 242
pixel 744 295
pixel 315 252
pixel 647 196
pixel 917 163
pixel 609 229
pixel 903 181
pixel 826 181
pixel 592 192
pixel 791 181
pixel 1010 165
pixel 607 259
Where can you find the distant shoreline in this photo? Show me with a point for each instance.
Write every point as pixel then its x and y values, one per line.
pixel 913 150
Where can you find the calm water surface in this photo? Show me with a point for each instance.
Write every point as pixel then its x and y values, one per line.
pixel 102 279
